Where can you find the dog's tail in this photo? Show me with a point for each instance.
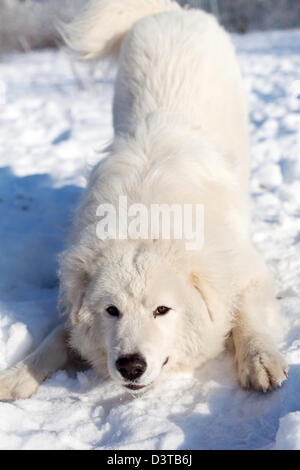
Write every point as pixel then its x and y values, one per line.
pixel 99 30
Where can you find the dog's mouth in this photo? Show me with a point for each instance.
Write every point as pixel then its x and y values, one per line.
pixel 135 386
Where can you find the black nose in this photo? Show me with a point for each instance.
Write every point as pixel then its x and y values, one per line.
pixel 131 366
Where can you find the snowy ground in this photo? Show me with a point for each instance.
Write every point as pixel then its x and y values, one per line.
pixel 51 124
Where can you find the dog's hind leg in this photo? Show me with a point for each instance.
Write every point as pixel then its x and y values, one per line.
pixel 22 380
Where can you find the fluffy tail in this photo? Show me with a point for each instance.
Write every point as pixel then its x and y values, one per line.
pixel 103 24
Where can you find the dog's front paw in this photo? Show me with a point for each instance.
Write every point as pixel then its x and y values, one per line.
pixel 17 383
pixel 261 368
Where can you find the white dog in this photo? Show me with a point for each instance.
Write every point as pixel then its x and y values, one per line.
pixel 136 307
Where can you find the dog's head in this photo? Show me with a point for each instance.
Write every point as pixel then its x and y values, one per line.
pixel 141 315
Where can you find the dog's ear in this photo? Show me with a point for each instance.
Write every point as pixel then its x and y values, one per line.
pixel 75 276
pixel 215 303
pixel 71 299
pixel 77 305
pixel 202 286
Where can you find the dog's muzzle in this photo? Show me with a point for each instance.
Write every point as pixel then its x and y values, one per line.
pixel 131 366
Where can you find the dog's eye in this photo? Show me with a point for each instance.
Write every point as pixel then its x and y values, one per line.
pixel 113 311
pixel 161 310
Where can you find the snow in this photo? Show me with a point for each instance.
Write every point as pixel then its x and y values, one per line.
pixel 288 436
pixel 54 117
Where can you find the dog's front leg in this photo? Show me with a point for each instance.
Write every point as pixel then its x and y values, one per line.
pixel 22 380
pixel 259 363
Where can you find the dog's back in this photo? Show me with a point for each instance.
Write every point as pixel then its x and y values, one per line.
pixel 184 62
pixel 181 61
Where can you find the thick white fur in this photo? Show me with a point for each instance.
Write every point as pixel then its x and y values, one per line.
pixel 181 135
